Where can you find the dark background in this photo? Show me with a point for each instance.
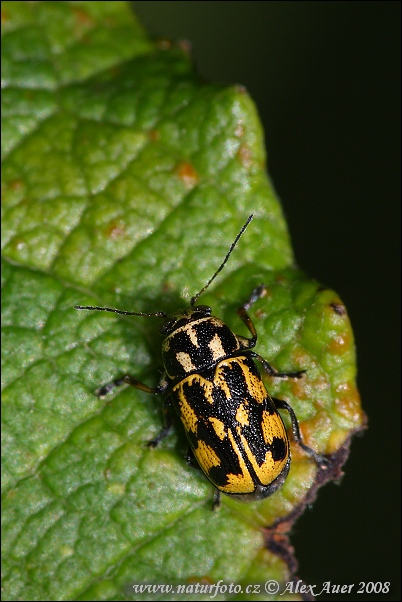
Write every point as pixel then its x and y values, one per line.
pixel 325 77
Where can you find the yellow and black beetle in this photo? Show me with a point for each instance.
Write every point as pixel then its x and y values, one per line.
pixel 232 423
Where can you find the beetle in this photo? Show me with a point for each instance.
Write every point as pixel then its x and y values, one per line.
pixel 233 425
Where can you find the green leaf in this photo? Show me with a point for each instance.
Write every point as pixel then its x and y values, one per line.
pixel 125 180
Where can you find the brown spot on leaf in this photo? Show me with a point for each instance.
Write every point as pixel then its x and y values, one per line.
pixel 245 155
pixel 347 402
pixel 167 287
pixel 239 131
pixel 163 44
pixel 116 230
pixel 19 244
pixel 82 17
pixel 187 174
pixel 16 184
pixel 154 135
pixel 240 89
pixel 298 387
pixel 340 344
pixel 281 279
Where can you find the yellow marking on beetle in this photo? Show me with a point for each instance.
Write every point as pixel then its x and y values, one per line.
pixel 218 427
pixel 220 378
pixel 254 382
pixel 215 322
pixel 186 412
pixel 184 360
pixel 206 456
pixel 192 333
pixel 242 415
pixel 272 426
pixel 216 348
pixel 206 385
pixel 270 469
pixel 238 483
pixel 189 329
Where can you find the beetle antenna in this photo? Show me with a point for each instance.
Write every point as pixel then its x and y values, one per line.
pixel 228 254
pixel 158 314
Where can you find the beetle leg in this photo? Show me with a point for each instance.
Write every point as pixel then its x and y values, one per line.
pixel 217 500
pixel 167 425
pixel 283 405
pixel 257 293
pixel 272 372
pixel 161 388
pixel 190 458
pixel 129 380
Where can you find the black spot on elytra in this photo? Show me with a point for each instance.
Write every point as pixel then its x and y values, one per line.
pixel 278 449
